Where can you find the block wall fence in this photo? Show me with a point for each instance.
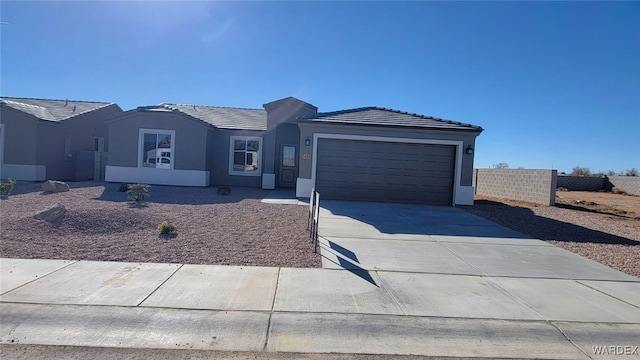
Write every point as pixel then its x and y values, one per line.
pixel 581 183
pixel 628 184
pixel 532 185
pixel 539 186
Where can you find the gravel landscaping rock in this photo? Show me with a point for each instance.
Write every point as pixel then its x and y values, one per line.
pixel 52 213
pixel 55 186
pixel 236 229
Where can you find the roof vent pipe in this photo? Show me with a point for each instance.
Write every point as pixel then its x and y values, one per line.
pixel 74 108
pixel 65 102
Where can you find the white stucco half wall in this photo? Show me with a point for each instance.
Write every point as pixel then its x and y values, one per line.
pixel 156 176
pixel 23 172
pixel 303 187
pixel 464 195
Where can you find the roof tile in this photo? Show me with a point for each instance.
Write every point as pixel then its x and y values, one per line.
pixel 383 116
pixel 52 110
pixel 224 117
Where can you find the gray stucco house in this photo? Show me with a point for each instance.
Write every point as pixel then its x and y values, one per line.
pixel 372 154
pixel 44 139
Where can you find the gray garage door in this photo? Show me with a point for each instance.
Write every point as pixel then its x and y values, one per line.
pixel 385 171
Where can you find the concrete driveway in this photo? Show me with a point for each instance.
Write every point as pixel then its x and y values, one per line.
pixel 397 279
pixel 442 240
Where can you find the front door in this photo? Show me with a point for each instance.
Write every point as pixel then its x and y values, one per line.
pixel 288 166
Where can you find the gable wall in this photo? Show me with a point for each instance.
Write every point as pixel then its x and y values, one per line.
pixel 83 129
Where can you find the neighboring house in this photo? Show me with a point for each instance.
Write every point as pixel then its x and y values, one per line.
pixel 45 139
pixel 372 153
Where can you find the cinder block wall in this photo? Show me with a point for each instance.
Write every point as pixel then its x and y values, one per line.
pixel 629 184
pixel 536 186
pixel 581 183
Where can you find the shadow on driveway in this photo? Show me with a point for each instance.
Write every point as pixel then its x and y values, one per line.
pixel 524 220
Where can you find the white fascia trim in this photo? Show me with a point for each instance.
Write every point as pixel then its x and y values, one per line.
pixel 458 144
pixel 141 133
pixel 231 154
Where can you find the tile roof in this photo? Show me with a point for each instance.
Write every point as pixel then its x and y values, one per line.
pixel 383 116
pixel 52 110
pixel 222 117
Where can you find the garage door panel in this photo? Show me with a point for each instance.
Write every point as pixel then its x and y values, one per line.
pixel 385 171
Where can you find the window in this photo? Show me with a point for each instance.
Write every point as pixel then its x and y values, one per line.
pixel 156 148
pixel 245 156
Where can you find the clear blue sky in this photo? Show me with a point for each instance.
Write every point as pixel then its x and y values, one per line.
pixel 554 84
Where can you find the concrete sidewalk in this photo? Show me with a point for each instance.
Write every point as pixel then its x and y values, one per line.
pixel 394 289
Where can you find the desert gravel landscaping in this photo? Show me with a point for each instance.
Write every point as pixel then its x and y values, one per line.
pixel 239 229
pixel 612 240
pixel 100 224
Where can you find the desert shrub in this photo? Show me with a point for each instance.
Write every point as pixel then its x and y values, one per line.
pixel 123 188
pixel 6 187
pixel 166 228
pixel 137 192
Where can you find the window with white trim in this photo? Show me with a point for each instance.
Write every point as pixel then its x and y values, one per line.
pixel 156 148
pixel 245 156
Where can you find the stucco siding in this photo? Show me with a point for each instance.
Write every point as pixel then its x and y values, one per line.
pixel 20 137
pixel 190 139
pixel 51 146
pixel 220 165
pixel 83 129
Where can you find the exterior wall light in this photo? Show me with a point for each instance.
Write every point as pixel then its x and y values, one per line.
pixel 469 150
pixel 307 142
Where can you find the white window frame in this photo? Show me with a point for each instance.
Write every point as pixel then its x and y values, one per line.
pixel 232 140
pixel 141 133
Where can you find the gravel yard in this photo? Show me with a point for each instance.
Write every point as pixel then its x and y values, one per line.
pixel 100 224
pixel 241 230
pixel 610 240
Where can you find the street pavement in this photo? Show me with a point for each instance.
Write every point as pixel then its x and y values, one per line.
pixel 396 280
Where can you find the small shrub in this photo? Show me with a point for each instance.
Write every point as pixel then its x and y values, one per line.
pixel 166 228
pixel 137 192
pixel 6 187
pixel 123 188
